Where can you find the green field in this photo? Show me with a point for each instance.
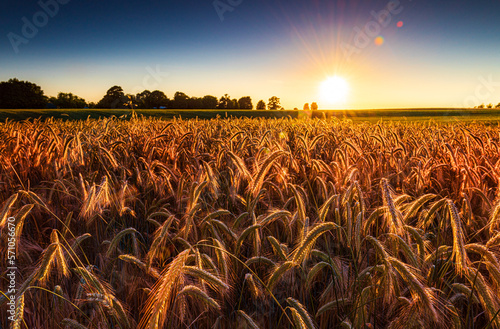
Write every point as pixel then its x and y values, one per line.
pixel 356 115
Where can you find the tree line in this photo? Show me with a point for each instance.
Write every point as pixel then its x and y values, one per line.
pixel 16 94
pixel 116 98
pixel 489 106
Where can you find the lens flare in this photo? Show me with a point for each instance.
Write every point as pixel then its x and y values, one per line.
pixel 379 41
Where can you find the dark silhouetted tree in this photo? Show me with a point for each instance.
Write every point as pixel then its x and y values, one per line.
pixel 245 103
pixel 210 102
pixel 306 107
pixel 261 105
pixel 15 94
pixel 498 106
pixel 158 99
pixel 68 101
pixel 274 104
pixel 295 108
pixel 180 101
pixel 142 100
pixel 114 98
pixel 314 106
pixel 234 104
pixel 224 102
pixel 195 103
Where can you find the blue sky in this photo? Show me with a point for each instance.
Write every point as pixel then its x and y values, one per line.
pixel 439 57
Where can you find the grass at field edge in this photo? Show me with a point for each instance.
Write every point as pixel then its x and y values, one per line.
pixel 356 115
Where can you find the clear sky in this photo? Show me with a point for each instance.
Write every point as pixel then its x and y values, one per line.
pixel 420 54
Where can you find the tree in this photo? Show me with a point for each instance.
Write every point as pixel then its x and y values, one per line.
pixel 295 108
pixel 114 98
pixel 180 101
pixel 234 104
pixel 15 94
pixel 209 102
pixel 245 103
pixel 314 106
pixel 274 104
pixel 306 107
pixel 68 101
pixel 498 106
pixel 158 99
pixel 261 105
pixel 224 102
pixel 195 103
pixel 142 100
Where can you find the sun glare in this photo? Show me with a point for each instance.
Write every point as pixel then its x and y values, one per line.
pixel 334 91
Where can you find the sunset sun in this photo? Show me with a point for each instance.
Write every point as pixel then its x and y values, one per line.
pixel 334 91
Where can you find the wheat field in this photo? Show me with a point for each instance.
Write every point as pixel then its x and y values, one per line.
pixel 251 223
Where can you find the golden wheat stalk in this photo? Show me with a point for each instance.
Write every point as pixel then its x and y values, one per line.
pixel 305 318
pixel 252 286
pixel 495 219
pixel 250 322
pixel 163 294
pixel 485 293
pixel 278 272
pixel 51 255
pixel 19 313
pixel 396 224
pixel 298 321
pixel 73 324
pixel 459 254
pixel 134 260
pixel 196 292
pixel 278 251
pixel 307 243
pixel 6 209
pixel 418 290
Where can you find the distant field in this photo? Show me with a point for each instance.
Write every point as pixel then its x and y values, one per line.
pixel 356 115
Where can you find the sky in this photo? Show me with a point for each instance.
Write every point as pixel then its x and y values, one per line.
pixel 388 53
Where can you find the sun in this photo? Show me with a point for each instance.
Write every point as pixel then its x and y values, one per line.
pixel 334 91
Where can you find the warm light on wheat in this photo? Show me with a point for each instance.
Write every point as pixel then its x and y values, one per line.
pixel 262 223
